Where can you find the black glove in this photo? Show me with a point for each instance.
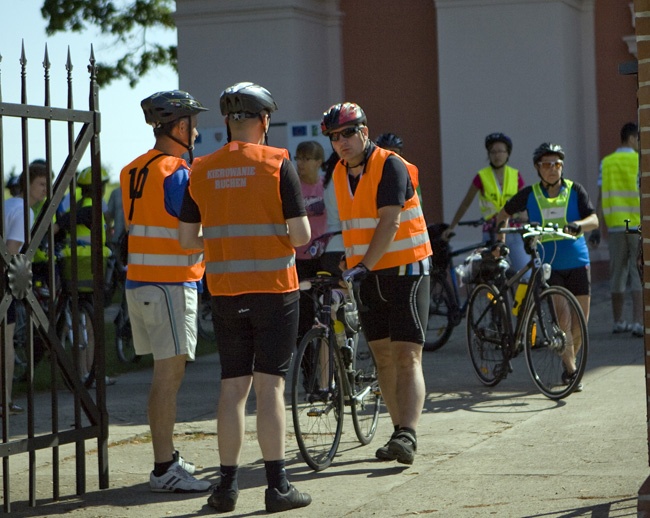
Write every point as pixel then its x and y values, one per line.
pixel 356 273
pixel 572 228
pixel 594 238
pixel 501 247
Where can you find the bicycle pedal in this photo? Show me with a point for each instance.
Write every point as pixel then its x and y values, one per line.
pixel 314 412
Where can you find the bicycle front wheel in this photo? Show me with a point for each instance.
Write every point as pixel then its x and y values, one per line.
pixel 317 400
pixel 556 342
pixel 486 335
pixel 440 323
pixel 366 397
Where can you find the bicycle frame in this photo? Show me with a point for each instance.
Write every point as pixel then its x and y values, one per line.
pixel 536 284
pixel 324 287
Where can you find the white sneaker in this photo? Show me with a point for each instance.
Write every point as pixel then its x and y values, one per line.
pixel 177 480
pixel 185 464
pixel 621 327
pixel 638 330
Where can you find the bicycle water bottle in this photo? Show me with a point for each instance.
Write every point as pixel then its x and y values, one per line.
pixel 339 333
pixel 519 297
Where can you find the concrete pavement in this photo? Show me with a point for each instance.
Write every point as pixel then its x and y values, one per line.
pixel 505 451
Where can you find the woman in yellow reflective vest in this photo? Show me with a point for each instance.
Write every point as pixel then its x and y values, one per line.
pixel 495 185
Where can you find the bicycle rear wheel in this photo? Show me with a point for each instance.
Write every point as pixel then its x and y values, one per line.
pixel 317 400
pixel 124 338
pixel 440 324
pixel 204 319
pixel 86 340
pixel 486 321
pixel 366 397
pixel 556 339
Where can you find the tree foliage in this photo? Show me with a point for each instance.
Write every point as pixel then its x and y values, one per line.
pixel 128 23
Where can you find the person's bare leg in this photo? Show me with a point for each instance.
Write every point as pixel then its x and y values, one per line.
pixel 386 375
pixel 410 387
pixel 167 378
pixel 10 360
pixel 637 306
pixel 618 300
pixel 271 417
pixel 230 418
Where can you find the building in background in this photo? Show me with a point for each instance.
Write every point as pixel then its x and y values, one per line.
pixel 442 74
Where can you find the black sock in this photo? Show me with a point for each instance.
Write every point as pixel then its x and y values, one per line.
pixel 276 475
pixel 160 468
pixel 229 477
pixel 396 427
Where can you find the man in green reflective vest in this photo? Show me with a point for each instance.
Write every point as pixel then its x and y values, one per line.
pixel 619 201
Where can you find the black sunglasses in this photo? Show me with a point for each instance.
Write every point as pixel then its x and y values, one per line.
pixel 346 133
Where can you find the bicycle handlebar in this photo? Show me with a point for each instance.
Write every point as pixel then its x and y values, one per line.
pixel 629 230
pixel 472 222
pixel 325 279
pixel 532 230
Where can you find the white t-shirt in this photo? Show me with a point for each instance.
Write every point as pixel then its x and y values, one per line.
pixel 14 220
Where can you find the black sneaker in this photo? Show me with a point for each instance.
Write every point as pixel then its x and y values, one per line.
pixel 384 453
pixel 293 499
pixel 403 447
pixel 223 500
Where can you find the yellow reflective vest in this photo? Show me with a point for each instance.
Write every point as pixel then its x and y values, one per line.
pixel 620 189
pixel 492 199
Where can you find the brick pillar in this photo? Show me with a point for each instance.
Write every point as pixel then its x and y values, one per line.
pixel 642 24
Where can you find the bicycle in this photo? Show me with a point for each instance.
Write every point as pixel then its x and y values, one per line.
pixel 65 322
pixel 446 307
pixel 330 374
pixel 123 334
pixel 204 315
pixel 550 326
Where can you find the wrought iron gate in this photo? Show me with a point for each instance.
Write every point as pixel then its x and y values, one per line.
pixel 90 415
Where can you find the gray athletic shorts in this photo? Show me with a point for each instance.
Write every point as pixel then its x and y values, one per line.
pixel 163 320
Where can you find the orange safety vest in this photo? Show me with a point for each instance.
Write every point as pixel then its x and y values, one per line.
pixel 359 216
pixel 247 246
pixel 155 255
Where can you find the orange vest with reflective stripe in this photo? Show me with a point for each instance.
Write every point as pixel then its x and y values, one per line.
pixel 155 255
pixel 359 216
pixel 247 246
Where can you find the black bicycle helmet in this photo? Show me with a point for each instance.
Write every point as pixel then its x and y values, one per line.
pixel 164 107
pixel 498 137
pixel 247 98
pixel 547 149
pixel 389 140
pixel 342 114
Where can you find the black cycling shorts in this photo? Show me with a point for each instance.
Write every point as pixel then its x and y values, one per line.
pixel 395 307
pixel 576 280
pixel 256 332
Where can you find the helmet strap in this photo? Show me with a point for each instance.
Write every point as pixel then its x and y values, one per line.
pixel 187 145
pixel 547 185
